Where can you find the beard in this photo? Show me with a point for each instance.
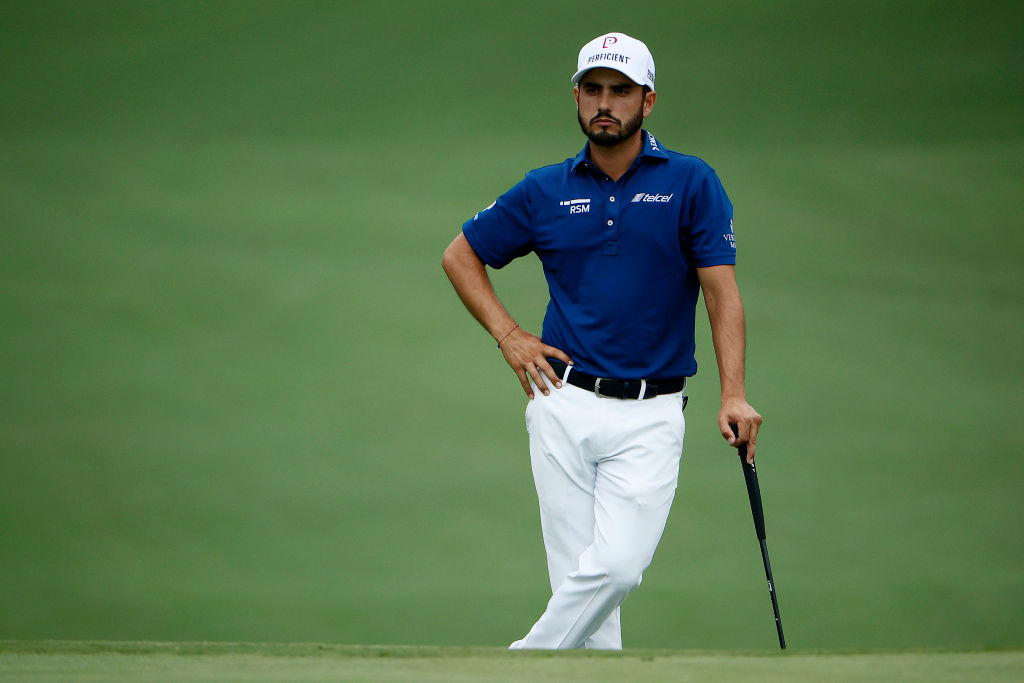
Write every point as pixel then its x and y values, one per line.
pixel 605 138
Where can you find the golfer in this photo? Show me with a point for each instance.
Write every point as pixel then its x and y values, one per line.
pixel 628 233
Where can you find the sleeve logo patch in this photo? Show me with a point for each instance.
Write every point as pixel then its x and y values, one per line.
pixel 477 214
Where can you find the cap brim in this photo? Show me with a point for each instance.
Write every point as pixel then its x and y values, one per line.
pixel 579 74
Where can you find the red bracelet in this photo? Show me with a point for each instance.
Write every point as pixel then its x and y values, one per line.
pixel 507 333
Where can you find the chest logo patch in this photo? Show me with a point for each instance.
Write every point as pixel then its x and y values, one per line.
pixel 577 205
pixel 652 198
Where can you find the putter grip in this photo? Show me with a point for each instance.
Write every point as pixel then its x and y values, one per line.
pixel 753 490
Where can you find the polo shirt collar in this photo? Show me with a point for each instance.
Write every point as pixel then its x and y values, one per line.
pixel 651 149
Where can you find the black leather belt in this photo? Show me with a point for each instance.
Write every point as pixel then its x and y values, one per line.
pixel 619 388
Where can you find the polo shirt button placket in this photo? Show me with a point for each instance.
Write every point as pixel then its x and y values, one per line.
pixel 611 230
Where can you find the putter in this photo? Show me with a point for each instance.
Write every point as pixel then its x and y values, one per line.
pixel 754 493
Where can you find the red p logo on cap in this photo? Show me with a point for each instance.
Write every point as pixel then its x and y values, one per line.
pixel 610 40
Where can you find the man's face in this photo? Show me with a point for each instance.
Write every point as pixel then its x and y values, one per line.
pixel 610 107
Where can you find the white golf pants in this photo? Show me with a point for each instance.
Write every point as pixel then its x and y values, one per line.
pixel 606 472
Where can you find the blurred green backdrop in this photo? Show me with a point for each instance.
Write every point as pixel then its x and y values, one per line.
pixel 239 400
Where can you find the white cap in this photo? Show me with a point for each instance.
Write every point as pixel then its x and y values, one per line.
pixel 620 52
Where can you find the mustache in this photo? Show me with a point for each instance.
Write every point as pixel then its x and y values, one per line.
pixel 605 115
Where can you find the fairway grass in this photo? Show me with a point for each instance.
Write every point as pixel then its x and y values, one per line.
pixel 240 401
pixel 141 661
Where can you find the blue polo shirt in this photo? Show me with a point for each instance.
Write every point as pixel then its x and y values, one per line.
pixel 620 257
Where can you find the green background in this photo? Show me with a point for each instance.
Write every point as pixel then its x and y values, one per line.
pixel 239 400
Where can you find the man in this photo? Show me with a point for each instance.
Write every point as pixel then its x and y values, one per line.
pixel 628 233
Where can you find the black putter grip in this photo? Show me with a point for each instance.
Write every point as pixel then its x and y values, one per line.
pixel 753 490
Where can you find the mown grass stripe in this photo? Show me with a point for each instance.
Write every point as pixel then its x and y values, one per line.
pixel 34 661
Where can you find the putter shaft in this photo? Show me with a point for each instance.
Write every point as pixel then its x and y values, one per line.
pixel 754 494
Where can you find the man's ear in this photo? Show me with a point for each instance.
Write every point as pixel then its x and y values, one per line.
pixel 649 102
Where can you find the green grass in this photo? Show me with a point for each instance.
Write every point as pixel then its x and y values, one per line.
pixel 240 402
pixel 153 662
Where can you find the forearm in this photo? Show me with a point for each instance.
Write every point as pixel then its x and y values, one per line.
pixel 525 353
pixel 468 276
pixel 728 328
pixel 729 337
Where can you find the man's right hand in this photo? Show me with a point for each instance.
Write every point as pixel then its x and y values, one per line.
pixel 528 357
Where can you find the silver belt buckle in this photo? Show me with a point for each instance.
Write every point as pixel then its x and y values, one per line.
pixel 597 387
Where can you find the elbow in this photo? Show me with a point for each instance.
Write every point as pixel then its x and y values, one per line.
pixel 448 259
pixel 459 256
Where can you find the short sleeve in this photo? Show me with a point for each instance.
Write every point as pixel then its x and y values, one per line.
pixel 501 232
pixel 708 234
